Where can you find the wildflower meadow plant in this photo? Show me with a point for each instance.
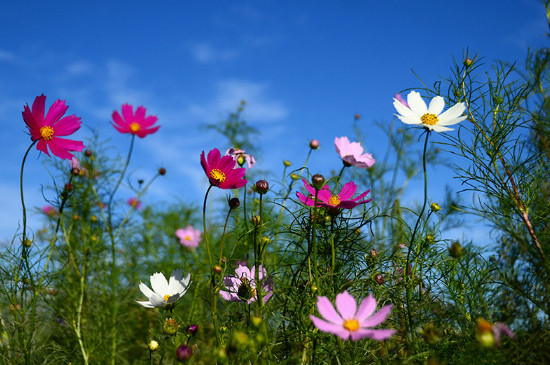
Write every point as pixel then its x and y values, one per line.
pixel 242 287
pixel 189 236
pixel 165 293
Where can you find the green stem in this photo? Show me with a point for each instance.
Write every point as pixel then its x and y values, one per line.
pixel 24 249
pixel 223 236
pixel 204 226
pixel 120 181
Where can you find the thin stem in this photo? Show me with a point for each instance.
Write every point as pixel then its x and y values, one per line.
pixel 204 226
pixel 223 236
pixel 120 181
pixel 24 237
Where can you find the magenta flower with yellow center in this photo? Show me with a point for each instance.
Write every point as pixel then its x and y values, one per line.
pixel 47 129
pixel 415 111
pixel 221 171
pixel 342 200
pixel 189 236
pixel 347 321
pixel 134 203
pixel 138 124
pixel 352 153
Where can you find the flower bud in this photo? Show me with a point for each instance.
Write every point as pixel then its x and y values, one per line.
pixel 255 219
pixel 256 321
pixel 468 62
pixel 153 345
pixel 262 186
pixel 75 171
pixel 88 153
pixel 286 163
pixel 183 353
pixel 318 181
pixel 162 171
pixel 379 279
pixel 314 144
pixel 28 242
pixel 241 160
pixel 357 116
pixel 93 218
pixel 69 187
pixel 430 238
pixel 266 240
pixel 217 269
pixel 192 329
pixel 435 207
pixel 456 250
pixel 234 203
pixel 314 287
pixel 294 176
pixel 373 253
pixel 170 327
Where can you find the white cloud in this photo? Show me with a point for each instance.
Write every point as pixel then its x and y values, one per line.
pixel 205 53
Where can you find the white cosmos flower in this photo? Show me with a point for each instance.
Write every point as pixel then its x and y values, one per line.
pixel 164 293
pixel 429 117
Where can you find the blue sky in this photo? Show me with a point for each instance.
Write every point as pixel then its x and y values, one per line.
pixel 304 68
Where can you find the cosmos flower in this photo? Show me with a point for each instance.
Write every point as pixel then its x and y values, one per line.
pixel 240 157
pixel 399 98
pixel 47 129
pixel 349 322
pixel 429 117
pixel 134 203
pixel 242 286
pixel 189 237
pixel 352 153
pixel 343 200
pixel 164 293
pixel 221 171
pixel 489 335
pixel 138 123
pixel 50 211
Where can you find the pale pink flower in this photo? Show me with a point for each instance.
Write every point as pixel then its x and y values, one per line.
pixel 189 236
pixel 352 153
pixel 242 286
pixel 240 157
pixel 349 322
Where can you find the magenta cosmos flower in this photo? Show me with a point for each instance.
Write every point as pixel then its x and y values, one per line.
pixel 221 171
pixel 242 286
pixel 343 200
pixel 47 129
pixel 352 153
pixel 134 203
pixel 138 123
pixel 189 237
pixel 349 322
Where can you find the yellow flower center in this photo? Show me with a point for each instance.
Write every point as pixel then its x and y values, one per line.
pixel 351 324
pixel 46 133
pixel 188 238
pixel 217 175
pixel 135 127
pixel 429 119
pixel 334 200
pixel 166 297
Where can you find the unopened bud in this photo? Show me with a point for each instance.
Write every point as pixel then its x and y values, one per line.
pixel 373 253
pixel 294 176
pixel 170 327
pixel 256 219
pixel 183 353
pixel 468 62
pixel 93 218
pixel 435 207
pixel 456 250
pixel 356 116
pixel 217 269
pixel 262 186
pixel 256 321
pixel 162 171
pixel 75 171
pixel 28 242
pixel 430 238
pixel 379 279
pixel 234 203
pixel 314 144
pixel 318 181
pixel 88 153
pixel 286 163
pixel 192 329
pixel 241 160
pixel 153 345
pixel 69 187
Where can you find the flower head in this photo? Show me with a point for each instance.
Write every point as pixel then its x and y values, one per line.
pixel 47 129
pixel 138 123
pixel 164 293
pixel 242 286
pixel 50 211
pixel 134 203
pixel 349 322
pixel 221 171
pixel 240 157
pixel 416 112
pixel 343 200
pixel 352 153
pixel 189 237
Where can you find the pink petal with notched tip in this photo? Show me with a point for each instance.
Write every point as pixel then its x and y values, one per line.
pixel 377 318
pixel 326 309
pixel 330 327
pixel 346 305
pixel 55 112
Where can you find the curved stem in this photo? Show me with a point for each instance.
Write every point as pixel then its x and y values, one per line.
pixel 204 226
pixel 120 181
pixel 223 236
pixel 24 237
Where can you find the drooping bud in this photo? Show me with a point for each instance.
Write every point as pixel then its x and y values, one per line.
pixel 318 181
pixel 153 345
pixel 262 186
pixel 234 203
pixel 435 207
pixel 183 353
pixel 314 144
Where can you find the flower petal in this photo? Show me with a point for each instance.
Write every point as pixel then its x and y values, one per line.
pixel 346 305
pixel 416 103
pixel 436 105
pixel 326 309
pixel 366 308
pixel 159 284
pixel 377 318
pixel 377 335
pixel 330 327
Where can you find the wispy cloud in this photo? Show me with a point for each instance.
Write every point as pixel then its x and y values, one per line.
pixel 206 53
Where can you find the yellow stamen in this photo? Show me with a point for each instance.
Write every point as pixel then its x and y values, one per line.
pixel 135 127
pixel 429 119
pixel 166 297
pixel 188 238
pixel 217 175
pixel 351 324
pixel 334 200
pixel 46 133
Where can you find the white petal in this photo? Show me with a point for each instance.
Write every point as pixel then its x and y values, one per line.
pixel 157 301
pixel 146 304
pixel 406 112
pixel 452 113
pixel 145 290
pixel 439 128
pixel 436 105
pixel 416 104
pixel 159 284
pixel 408 120
pixel 174 285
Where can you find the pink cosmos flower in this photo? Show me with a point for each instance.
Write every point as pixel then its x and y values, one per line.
pixel 349 322
pixel 242 286
pixel 352 153
pixel 49 210
pixel 138 123
pixel 221 171
pixel 343 200
pixel 134 203
pixel 189 237
pixel 240 157
pixel 46 130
